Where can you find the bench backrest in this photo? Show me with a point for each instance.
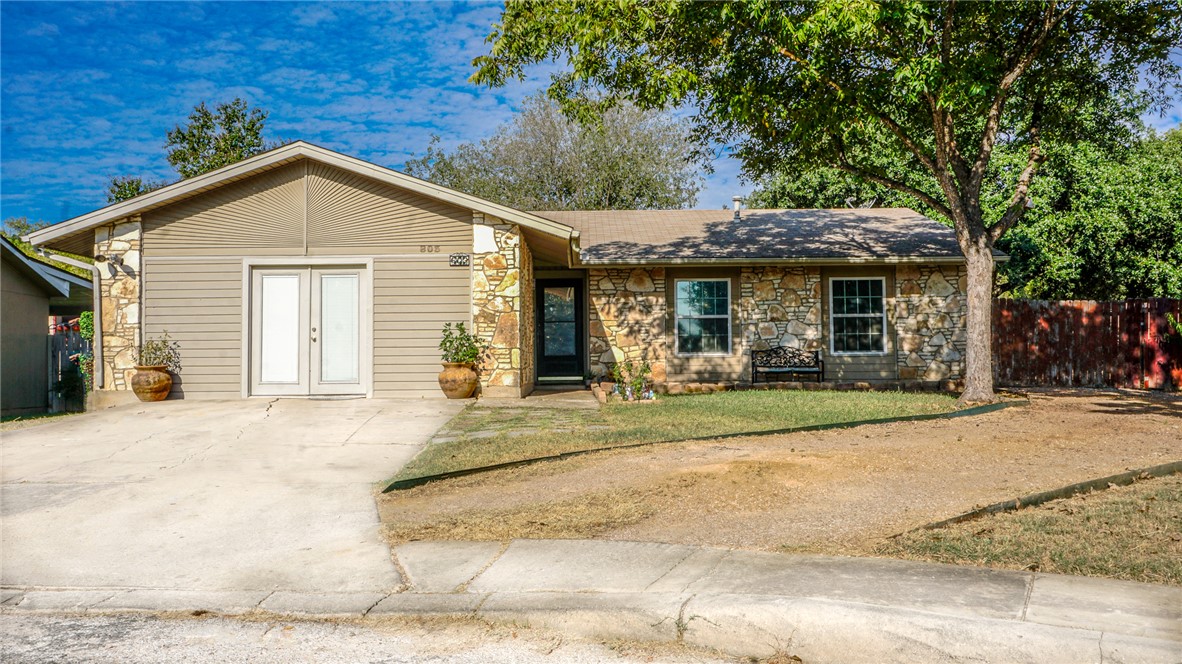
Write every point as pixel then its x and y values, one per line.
pixel 785 356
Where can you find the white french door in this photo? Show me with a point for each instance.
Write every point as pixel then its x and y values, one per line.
pixel 307 332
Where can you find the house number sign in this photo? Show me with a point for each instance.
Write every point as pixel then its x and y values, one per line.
pixel 459 260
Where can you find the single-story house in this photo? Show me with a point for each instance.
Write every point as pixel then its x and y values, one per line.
pixel 302 271
pixel 30 292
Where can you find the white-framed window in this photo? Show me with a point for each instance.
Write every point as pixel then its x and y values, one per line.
pixel 702 316
pixel 857 315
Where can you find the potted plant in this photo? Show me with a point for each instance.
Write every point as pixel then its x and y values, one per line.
pixel 461 350
pixel 158 359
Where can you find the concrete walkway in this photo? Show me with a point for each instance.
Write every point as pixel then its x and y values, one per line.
pixel 746 603
pixel 182 497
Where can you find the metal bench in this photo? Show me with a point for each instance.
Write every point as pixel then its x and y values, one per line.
pixel 784 360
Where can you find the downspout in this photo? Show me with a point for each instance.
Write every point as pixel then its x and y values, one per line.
pixel 96 346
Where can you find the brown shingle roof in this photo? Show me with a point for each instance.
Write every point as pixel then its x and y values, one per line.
pixel 630 236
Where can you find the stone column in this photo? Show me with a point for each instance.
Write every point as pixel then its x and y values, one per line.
pixel 120 243
pixel 497 304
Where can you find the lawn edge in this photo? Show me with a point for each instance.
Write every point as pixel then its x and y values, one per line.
pixel 1032 500
pixel 410 483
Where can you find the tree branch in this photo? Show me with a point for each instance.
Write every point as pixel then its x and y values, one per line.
pixel 1050 21
pixel 844 165
pixel 1017 205
pixel 895 128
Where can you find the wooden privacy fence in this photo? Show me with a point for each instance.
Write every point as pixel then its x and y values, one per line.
pixel 64 343
pixel 1125 343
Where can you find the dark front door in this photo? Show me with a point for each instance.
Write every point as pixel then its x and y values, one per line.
pixel 560 328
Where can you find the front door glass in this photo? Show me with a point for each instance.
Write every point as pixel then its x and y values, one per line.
pixel 559 330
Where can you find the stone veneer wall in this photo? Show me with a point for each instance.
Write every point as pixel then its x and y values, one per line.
pixel 780 306
pixel 627 318
pixel 930 310
pixel 499 264
pixel 120 318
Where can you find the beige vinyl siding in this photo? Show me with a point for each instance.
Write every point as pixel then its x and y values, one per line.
pixel 349 213
pixel 307 208
pixel 413 298
pixel 859 367
pixel 199 303
pixel 261 215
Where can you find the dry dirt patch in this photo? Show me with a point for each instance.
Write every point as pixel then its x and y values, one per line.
pixel 833 491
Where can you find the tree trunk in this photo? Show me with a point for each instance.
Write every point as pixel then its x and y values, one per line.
pixel 978 380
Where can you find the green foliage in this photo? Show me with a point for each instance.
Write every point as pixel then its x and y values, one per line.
pixel 626 159
pixel 1107 224
pixel 215 138
pixel 632 379
pixel 70 386
pixel 124 187
pixel 15 227
pixel 86 325
pixel 86 368
pixel 161 351
pixel 849 84
pixel 460 345
pixel 226 135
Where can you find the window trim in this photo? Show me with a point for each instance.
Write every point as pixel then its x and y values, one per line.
pixel 730 332
pixel 885 330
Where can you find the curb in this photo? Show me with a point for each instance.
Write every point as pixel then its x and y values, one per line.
pixel 1120 479
pixel 402 485
pixel 813 629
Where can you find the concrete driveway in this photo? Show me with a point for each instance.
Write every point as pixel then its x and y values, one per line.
pixel 209 496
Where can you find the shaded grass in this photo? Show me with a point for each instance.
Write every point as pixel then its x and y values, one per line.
pixel 512 434
pixel 1132 532
pixel 13 422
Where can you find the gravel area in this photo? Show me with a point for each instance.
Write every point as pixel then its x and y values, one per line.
pixel 833 491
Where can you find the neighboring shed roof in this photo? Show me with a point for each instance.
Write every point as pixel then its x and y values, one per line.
pixel 704 236
pixel 55 281
pixel 73 234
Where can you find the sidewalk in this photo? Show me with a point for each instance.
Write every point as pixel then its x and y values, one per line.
pixel 745 603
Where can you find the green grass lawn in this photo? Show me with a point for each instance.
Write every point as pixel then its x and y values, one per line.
pixel 1132 532
pixel 486 436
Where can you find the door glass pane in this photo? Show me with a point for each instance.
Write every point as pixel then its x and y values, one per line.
pixel 280 329
pixel 559 304
pixel 559 339
pixel 339 328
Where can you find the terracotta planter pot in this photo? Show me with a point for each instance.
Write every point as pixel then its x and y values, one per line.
pixel 151 383
pixel 458 380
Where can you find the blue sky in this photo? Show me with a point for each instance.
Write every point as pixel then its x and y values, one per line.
pixel 89 90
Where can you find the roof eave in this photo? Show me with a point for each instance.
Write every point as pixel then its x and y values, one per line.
pixel 833 260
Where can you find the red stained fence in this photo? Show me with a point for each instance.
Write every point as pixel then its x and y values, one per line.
pixel 1126 343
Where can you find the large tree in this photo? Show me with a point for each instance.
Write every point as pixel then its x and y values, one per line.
pixel 837 82
pixel 1104 222
pixel 627 158
pixel 227 134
